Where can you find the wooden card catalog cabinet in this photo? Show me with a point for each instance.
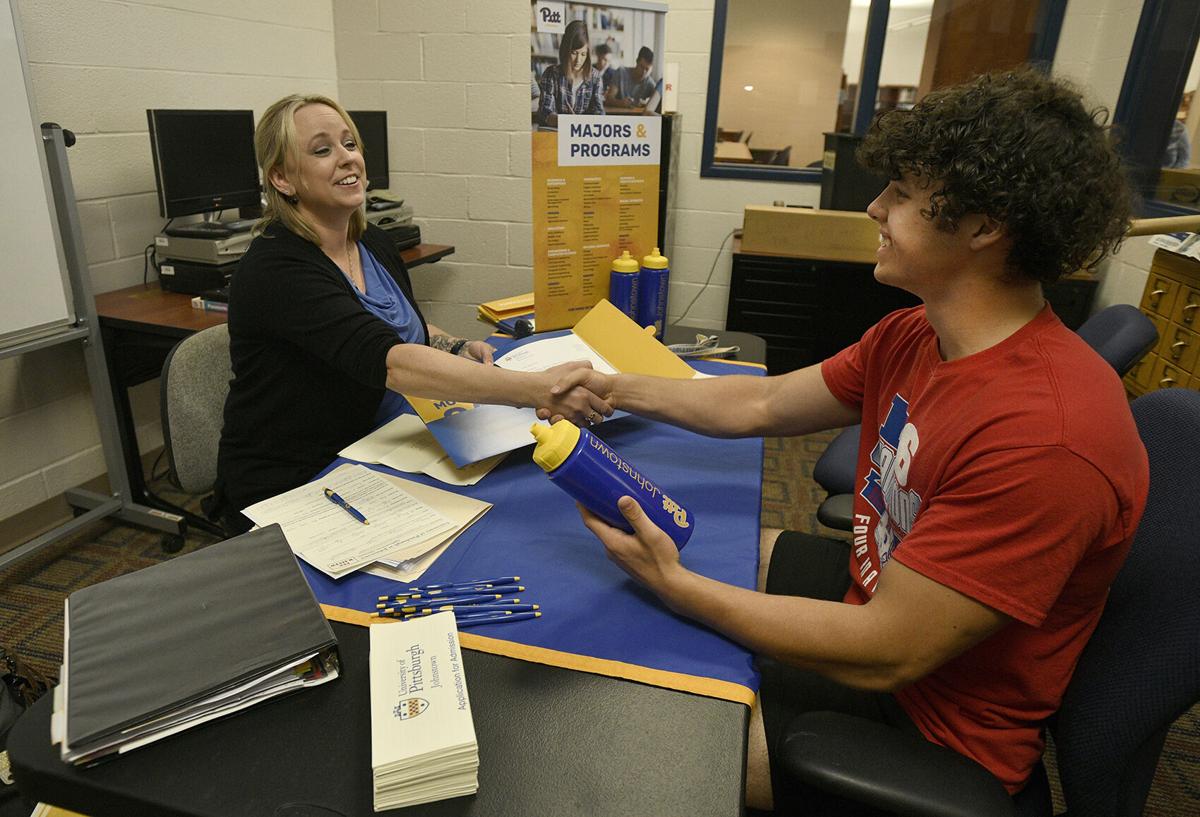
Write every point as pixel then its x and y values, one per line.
pixel 1172 301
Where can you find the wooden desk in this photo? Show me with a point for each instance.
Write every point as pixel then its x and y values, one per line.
pixel 732 152
pixel 139 326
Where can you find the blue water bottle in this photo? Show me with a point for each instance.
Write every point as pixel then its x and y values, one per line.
pixel 623 285
pixel 652 295
pixel 589 470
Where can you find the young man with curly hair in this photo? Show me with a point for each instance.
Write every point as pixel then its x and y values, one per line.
pixel 1000 475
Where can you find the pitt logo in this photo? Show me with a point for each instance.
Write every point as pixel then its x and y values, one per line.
pixel 672 507
pixel 410 708
pixel 551 15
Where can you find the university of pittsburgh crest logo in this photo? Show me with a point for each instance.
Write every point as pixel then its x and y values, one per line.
pixel 410 708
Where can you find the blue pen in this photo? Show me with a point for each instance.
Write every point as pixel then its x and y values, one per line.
pixel 472 609
pixel 499 588
pixel 468 583
pixel 346 506
pixel 475 621
pixel 439 602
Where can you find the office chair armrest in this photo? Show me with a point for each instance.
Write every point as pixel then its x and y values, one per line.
pixel 880 766
pixel 837 511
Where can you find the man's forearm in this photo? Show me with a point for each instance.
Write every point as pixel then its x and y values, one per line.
pixel 834 639
pixel 731 406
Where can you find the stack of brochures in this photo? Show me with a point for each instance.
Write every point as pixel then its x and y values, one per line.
pixel 503 312
pixel 422 738
pixel 172 646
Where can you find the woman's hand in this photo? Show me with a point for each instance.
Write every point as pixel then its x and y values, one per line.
pixel 478 350
pixel 571 401
pixel 575 376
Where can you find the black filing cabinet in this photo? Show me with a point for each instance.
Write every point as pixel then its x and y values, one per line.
pixel 806 309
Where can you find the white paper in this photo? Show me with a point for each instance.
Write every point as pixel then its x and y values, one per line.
pixel 405 444
pixel 331 540
pixel 543 354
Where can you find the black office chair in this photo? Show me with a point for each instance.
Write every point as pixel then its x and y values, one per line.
pixel 1138 673
pixel 1120 334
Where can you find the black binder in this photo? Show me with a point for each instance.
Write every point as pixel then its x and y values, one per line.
pixel 142 649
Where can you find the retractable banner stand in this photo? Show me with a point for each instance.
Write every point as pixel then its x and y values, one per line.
pixel 596 102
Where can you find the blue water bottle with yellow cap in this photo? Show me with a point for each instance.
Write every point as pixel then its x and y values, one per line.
pixel 652 294
pixel 623 285
pixel 589 470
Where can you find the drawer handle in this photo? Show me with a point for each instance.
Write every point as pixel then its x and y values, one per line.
pixel 1167 382
pixel 1188 314
pixel 1177 347
pixel 1155 295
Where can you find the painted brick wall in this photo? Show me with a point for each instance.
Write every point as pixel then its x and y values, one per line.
pixel 95 67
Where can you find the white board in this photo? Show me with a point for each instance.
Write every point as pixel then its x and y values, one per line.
pixel 35 298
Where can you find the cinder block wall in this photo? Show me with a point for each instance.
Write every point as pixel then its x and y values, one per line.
pixel 95 67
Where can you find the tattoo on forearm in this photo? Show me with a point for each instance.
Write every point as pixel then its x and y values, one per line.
pixel 443 342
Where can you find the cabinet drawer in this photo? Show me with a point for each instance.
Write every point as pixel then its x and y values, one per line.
pixel 1159 295
pixel 777 288
pixel 1141 372
pixel 1161 324
pixel 1168 376
pixel 797 323
pixel 1187 304
pixel 1179 347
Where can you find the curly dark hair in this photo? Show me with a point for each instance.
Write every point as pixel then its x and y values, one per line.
pixel 1021 148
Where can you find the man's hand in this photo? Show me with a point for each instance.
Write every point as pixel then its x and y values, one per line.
pixel 478 350
pixel 647 554
pixel 575 402
pixel 575 376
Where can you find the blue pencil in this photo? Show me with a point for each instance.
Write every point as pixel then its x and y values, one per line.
pixel 475 621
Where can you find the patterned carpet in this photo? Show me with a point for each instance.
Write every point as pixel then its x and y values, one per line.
pixel 32 592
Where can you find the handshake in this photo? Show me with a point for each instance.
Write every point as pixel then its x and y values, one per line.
pixel 576 392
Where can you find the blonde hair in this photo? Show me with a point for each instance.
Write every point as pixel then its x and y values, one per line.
pixel 275 147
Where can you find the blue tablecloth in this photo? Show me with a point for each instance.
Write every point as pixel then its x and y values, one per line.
pixel 595 618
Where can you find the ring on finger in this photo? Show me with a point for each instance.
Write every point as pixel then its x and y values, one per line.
pixel 593 417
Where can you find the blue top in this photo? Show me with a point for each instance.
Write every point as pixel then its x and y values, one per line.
pixel 384 300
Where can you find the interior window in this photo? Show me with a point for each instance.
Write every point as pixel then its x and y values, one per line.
pixel 784 73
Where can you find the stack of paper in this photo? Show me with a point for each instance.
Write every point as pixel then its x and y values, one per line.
pixel 409 524
pixel 505 310
pixel 405 444
pixel 422 738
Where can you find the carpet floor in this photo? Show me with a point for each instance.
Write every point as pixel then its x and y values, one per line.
pixel 32 593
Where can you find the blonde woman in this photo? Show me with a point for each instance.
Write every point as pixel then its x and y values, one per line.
pixel 323 322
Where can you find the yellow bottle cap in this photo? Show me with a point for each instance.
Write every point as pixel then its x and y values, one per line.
pixel 655 260
pixel 554 443
pixel 626 263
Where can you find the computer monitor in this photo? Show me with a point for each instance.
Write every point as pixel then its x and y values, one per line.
pixel 203 160
pixel 372 128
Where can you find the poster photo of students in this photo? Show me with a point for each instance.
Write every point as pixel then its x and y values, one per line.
pixel 595 109
pixel 594 60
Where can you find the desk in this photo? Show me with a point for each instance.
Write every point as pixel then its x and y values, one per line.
pixel 140 325
pixel 732 152
pixel 552 741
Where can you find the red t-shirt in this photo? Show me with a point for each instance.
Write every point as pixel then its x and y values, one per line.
pixel 1014 476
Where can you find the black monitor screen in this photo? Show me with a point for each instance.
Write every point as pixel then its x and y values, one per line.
pixel 372 127
pixel 203 160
